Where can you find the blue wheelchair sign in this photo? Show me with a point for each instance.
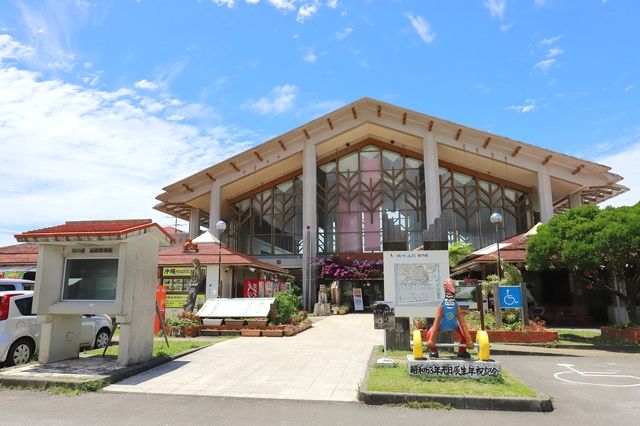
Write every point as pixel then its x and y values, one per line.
pixel 510 297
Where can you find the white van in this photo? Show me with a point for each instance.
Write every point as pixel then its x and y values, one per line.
pixel 16 284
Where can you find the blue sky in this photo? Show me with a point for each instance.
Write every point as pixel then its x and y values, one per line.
pixel 104 103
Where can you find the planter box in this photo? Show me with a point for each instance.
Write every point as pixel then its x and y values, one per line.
pixel 251 332
pixel 273 333
pixel 229 332
pixel 519 336
pixel 257 323
pixel 234 322
pixel 191 331
pixel 627 335
pixel 212 321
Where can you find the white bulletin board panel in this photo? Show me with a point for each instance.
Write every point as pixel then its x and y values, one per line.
pixel 231 308
pixel 413 279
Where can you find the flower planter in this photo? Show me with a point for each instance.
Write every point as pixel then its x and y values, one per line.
pixel 519 336
pixel 234 322
pixel 257 323
pixel 192 331
pixel 212 321
pixel 627 335
pixel 229 332
pixel 273 333
pixel 251 332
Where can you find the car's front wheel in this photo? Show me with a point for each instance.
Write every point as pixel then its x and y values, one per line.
pixel 102 338
pixel 20 352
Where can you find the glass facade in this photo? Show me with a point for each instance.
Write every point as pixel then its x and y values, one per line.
pixel 372 195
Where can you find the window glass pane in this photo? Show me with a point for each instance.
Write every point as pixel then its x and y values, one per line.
pixel 90 279
pixel 328 167
pixel 412 163
pixel 370 160
pixel 349 162
pixel 391 159
pixel 24 305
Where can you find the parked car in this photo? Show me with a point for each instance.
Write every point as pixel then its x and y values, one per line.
pixel 20 331
pixel 8 284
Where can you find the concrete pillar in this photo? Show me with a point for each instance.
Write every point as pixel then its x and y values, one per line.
pixel 545 196
pixel 214 206
pixel 431 178
pixel 310 224
pixel 575 199
pixel 194 223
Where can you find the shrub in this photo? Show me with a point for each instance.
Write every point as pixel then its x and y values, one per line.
pixel 287 304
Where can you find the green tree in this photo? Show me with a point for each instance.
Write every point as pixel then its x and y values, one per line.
pixel 585 239
pixel 458 251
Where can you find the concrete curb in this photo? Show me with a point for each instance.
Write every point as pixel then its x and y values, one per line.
pixel 532 404
pixel 539 404
pixel 77 383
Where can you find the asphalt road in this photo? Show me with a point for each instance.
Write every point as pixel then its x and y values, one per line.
pixel 582 397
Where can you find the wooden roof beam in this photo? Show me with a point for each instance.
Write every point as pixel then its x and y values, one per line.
pixel 284 148
pixel 187 187
pixel 306 134
pixel 234 166
pixel 516 151
pixel 547 159
pixel 379 111
pixel 404 119
pixel 577 170
pixel 330 123
pixel 458 133
pixel 487 141
pixel 355 114
pixel 210 177
pixel 258 155
pixel 430 125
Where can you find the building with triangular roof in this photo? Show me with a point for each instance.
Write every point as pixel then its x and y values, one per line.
pixel 372 175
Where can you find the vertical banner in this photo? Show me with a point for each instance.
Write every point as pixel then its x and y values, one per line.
pixel 357 299
pixel 161 299
pixel 250 288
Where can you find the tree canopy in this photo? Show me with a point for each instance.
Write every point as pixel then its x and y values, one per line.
pixel 587 238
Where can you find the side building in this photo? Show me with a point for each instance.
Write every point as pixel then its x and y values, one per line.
pixel 372 176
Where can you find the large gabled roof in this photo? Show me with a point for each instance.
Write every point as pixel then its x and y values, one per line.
pixel 385 119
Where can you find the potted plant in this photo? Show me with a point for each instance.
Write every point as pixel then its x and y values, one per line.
pixel 343 309
pixel 273 332
pixel 190 324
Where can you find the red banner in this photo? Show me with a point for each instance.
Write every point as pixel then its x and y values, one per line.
pixel 161 300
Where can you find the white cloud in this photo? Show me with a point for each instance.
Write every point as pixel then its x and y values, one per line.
pixel 496 7
pixel 332 4
pixel 549 41
pixel 629 87
pixel 341 35
pixel 528 106
pixel 280 99
pixel 147 85
pixel 252 1
pixel 625 164
pixel 422 27
pixel 505 27
pixel 554 51
pixel 305 12
pixel 80 153
pixel 544 65
pixel 286 5
pixel 12 49
pixel 228 3
pixel 311 57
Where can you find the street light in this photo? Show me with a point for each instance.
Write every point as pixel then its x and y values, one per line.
pixel 220 226
pixel 496 219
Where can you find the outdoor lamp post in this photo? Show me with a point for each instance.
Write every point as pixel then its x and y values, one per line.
pixel 220 226
pixel 496 219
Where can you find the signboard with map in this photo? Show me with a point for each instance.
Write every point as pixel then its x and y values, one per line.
pixel 413 279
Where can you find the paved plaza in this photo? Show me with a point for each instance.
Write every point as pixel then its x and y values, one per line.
pixel 326 362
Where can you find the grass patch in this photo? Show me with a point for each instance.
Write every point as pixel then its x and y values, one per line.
pixel 160 349
pixel 55 389
pixel 425 405
pixel 397 379
pixel 582 337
